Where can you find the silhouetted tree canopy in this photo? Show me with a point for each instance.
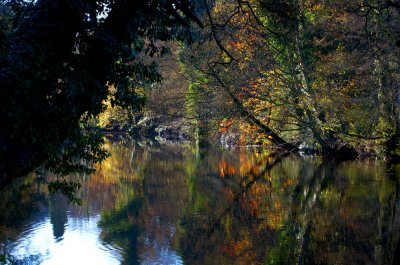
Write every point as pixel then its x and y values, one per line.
pixel 58 60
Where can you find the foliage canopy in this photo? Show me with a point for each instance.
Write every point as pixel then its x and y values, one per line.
pixel 58 60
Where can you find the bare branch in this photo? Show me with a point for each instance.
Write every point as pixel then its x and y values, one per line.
pixel 217 40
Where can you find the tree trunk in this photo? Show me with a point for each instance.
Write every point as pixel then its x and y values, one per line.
pixel 331 146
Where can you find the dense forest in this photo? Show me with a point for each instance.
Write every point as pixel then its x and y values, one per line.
pixel 311 76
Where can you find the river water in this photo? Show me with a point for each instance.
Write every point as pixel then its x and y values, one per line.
pixel 176 205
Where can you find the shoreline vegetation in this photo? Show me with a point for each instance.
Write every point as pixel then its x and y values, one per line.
pixel 171 139
pixel 313 76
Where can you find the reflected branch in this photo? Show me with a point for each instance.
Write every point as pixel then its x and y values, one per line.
pixel 277 158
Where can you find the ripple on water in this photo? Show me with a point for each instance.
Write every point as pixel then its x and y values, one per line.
pixel 157 252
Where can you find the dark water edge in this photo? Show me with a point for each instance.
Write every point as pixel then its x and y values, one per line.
pixel 175 204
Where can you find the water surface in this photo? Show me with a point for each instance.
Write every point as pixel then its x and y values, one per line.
pixel 176 205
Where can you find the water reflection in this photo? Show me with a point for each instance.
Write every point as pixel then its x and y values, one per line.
pixel 169 205
pixel 79 245
pixel 58 215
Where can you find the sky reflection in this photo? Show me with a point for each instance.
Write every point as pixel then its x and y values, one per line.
pixel 80 244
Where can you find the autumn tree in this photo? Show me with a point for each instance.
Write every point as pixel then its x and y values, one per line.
pixel 227 65
pixel 309 72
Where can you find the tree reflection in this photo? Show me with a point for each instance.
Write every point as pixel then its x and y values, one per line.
pixel 296 212
pixel 234 221
pixel 58 206
pixel 22 203
pixel 121 227
pixel 169 205
pixel 143 224
pixel 246 207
